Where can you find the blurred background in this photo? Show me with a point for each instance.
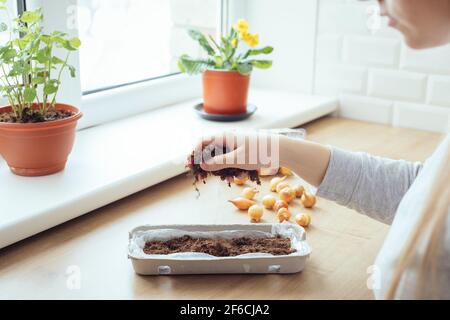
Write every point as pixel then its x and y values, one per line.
pixel 335 48
pixel 131 40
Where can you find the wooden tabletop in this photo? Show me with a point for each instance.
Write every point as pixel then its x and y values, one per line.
pixel 87 257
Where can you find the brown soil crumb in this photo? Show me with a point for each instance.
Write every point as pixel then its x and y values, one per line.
pixel 34 116
pixel 227 174
pixel 221 247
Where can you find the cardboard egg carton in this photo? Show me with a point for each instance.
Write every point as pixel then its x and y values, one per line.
pixel 201 263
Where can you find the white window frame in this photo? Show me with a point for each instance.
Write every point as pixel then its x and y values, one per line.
pixel 117 103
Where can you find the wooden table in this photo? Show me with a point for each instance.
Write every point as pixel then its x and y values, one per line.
pixel 344 242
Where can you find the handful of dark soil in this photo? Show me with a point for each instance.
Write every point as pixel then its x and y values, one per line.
pixel 227 174
pixel 221 247
pixel 34 116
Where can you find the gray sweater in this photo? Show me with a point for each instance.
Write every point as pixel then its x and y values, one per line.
pixel 391 191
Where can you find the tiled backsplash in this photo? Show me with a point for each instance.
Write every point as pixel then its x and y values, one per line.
pixel 374 74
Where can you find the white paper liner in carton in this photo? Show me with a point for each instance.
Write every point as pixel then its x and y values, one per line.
pixel 202 263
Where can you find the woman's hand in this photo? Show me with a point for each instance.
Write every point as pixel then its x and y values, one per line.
pixel 253 151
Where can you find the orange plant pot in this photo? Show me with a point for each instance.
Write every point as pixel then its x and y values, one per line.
pixel 38 149
pixel 225 92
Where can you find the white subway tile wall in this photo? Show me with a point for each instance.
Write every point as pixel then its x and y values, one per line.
pixel 376 77
pixel 397 85
pixel 365 108
pixel 425 117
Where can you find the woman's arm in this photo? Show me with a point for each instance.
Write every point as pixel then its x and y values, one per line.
pixel 371 185
pixel 368 184
pixel 307 159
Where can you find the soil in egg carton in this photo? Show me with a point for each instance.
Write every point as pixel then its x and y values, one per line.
pixel 221 247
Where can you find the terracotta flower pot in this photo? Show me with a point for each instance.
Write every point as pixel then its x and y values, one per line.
pixel 38 149
pixel 225 92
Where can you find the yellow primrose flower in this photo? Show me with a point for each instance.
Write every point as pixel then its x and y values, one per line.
pixel 241 25
pixel 252 40
pixel 234 42
pixel 244 35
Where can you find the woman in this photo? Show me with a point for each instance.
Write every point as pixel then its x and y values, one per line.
pixel 414 261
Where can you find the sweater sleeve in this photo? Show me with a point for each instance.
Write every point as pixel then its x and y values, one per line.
pixel 371 185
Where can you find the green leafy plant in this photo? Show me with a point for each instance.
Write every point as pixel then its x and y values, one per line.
pixel 30 71
pixel 227 55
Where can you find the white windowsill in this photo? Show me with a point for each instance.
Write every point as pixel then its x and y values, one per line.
pixel 117 159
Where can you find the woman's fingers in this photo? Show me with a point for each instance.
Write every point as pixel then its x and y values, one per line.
pixel 234 159
pixel 219 162
pixel 216 143
pixel 245 151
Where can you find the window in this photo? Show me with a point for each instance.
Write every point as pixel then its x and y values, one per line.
pixel 129 41
pixel 127 61
pixel 5 17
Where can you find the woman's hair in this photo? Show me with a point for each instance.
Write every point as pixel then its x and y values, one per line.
pixel 429 232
